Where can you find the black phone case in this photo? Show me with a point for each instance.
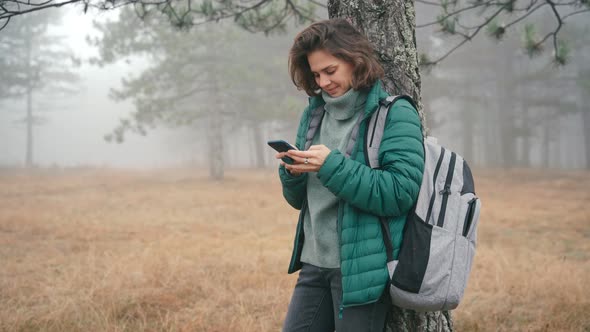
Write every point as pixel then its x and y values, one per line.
pixel 282 146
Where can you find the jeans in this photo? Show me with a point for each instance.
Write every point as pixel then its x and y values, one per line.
pixel 315 305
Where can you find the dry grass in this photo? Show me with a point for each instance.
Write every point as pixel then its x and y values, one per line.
pixel 103 250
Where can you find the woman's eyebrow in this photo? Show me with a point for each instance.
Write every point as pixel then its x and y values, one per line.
pixel 326 68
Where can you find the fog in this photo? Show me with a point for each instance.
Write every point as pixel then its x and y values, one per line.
pixel 522 112
pixel 74 128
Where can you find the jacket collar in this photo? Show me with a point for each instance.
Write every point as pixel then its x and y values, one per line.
pixel 376 93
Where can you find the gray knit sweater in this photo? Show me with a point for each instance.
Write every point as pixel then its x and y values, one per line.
pixel 321 246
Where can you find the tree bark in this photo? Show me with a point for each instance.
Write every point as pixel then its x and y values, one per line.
pixel 390 26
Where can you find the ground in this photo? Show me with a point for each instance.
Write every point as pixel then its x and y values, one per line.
pixel 170 250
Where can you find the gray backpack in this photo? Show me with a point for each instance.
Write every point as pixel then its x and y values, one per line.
pixel 440 234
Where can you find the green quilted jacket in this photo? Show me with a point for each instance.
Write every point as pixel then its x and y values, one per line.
pixel 365 195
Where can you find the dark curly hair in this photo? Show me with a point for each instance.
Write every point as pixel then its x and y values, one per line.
pixel 341 40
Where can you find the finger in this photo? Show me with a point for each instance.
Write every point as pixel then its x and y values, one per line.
pixel 280 155
pixel 301 154
pixel 313 160
pixel 302 168
pixel 299 160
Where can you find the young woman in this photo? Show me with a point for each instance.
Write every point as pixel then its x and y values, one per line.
pixel 339 248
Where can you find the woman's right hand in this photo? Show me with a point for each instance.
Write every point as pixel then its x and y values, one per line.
pixel 280 156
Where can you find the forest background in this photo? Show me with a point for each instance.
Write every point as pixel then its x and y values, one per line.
pixel 150 201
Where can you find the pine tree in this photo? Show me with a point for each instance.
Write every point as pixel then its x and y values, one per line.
pixel 34 63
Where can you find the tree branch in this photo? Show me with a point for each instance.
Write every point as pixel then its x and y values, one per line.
pixel 575 13
pixel 486 4
pixel 318 4
pixel 466 39
pixel 234 14
pixel 5 24
pixel 298 12
pixel 556 31
pixel 8 13
pixel 429 3
pixel 525 15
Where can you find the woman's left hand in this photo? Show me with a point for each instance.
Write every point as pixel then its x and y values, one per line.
pixel 308 161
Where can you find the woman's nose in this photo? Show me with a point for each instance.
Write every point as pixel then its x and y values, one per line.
pixel 324 81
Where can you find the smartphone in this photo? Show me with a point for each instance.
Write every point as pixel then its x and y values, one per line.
pixel 282 146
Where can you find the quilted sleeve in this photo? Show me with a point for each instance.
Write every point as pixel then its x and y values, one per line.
pixel 392 190
pixel 294 187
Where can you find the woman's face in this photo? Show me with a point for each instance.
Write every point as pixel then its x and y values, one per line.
pixel 332 75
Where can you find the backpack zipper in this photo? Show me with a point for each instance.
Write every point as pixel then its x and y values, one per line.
pixel 446 190
pixel 469 216
pixel 433 197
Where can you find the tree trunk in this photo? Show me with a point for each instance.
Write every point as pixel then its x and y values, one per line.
pixel 29 153
pixel 525 156
pixel 390 26
pixel 29 118
pixel 586 119
pixel 468 124
pixel 506 109
pixel 546 142
pixel 215 134
pixel 259 146
pixel 584 107
pixel 215 140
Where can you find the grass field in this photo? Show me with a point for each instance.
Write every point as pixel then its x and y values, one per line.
pixel 170 250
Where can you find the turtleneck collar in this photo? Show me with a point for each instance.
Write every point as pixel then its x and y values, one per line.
pixel 345 106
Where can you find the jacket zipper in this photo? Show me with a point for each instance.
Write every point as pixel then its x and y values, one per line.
pixel 366 153
pixel 375 126
pixel 298 234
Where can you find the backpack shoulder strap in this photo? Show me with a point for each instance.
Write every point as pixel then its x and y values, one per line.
pixel 354 135
pixel 377 126
pixel 315 122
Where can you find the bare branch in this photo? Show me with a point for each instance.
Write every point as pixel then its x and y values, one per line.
pixel 28 3
pixel 298 12
pixel 8 13
pixel 572 3
pixel 575 13
pixel 226 16
pixel 556 31
pixel 429 3
pixel 5 23
pixel 525 15
pixel 484 4
pixel 318 4
pixel 466 38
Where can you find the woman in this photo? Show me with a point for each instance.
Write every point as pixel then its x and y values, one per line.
pixel 339 248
